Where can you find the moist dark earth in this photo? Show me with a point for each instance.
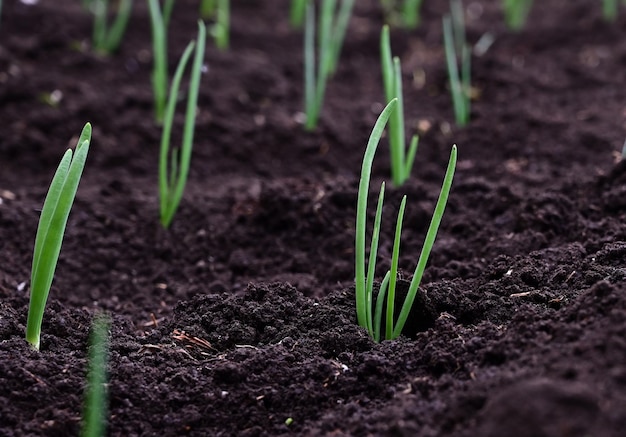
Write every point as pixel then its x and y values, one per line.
pixel 240 319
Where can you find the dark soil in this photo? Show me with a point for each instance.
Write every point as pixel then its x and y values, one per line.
pixel 239 319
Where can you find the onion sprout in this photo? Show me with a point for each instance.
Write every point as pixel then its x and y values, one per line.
pixel 331 33
pixel 516 12
pixel 364 284
pixel 174 163
pixel 159 21
pixel 454 44
pixel 297 11
pixel 105 40
pixel 401 163
pixel 54 215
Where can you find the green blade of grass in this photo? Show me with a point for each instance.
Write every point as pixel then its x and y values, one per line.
pixel 366 170
pixel 309 68
pixel 396 129
pixel 393 272
pixel 429 241
pixel 221 28
pixel 159 54
pixel 297 12
pixel 51 229
pixel 371 265
pixel 386 62
pixel 411 13
pixel 339 33
pixel 456 88
pixel 380 299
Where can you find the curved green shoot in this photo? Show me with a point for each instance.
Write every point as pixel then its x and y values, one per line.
pixel 95 407
pixel 174 164
pixel 401 161
pixel 105 40
pixel 363 289
pixel 364 284
pixel 54 215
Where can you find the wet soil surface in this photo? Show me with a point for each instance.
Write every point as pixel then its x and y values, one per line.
pixel 240 319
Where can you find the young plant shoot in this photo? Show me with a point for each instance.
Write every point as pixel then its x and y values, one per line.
pixel 297 10
pixel 610 9
pixel 52 222
pixel 207 8
pixel 106 41
pixel 174 163
pixel 95 406
pixel 404 13
pixel 364 284
pixel 455 45
pixel 331 33
pixel 516 12
pixel 401 162
pixel 159 21
pixel 219 12
pixel 221 29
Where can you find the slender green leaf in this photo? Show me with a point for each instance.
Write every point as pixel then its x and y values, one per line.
pixel 371 265
pixel 393 272
pixel 366 170
pixel 429 241
pixel 51 229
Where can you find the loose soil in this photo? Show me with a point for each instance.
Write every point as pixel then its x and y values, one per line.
pixel 239 320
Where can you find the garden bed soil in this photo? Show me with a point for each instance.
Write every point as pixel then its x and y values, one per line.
pixel 239 319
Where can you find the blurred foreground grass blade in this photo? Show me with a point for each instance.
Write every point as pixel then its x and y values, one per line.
pixel 54 215
pixel 95 404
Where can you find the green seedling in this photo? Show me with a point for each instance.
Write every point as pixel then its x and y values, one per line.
pixel 54 215
pixel 221 29
pixel 401 162
pixel 455 45
pixel 174 163
pixel 331 33
pixel 516 13
pixel 159 20
pixel 207 8
pixel 95 405
pixel 297 10
pixel 610 9
pixel 404 13
pixel 364 285
pixel 219 12
pixel 107 40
